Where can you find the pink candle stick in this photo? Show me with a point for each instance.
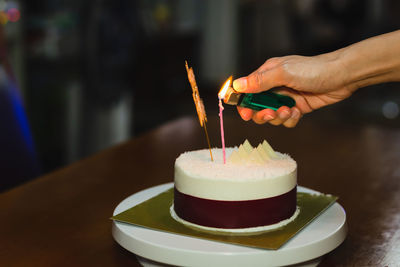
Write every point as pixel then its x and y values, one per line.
pixel 221 120
pixel 221 95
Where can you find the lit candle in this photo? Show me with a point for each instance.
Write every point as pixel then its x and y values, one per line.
pixel 221 122
pixel 221 95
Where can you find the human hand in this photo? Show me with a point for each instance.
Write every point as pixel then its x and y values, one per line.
pixel 313 82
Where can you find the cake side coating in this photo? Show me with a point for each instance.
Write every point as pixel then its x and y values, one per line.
pixel 197 176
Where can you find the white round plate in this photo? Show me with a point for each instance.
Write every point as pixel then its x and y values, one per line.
pixel 321 236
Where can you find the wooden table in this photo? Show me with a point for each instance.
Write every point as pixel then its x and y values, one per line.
pixel 62 219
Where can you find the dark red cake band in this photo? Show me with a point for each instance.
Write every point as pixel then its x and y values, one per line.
pixel 235 214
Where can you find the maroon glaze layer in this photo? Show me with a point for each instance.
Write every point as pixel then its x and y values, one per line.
pixel 235 214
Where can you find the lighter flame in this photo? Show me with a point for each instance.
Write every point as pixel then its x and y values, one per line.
pixel 224 88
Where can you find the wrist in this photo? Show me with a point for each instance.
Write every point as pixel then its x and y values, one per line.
pixel 336 70
pixel 344 69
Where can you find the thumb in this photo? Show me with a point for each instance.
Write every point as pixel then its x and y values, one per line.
pixel 258 81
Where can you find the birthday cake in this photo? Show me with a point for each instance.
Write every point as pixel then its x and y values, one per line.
pixel 255 190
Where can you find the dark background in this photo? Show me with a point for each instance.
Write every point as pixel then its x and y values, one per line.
pixel 79 76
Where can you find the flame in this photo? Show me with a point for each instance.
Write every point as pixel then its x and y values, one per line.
pixel 224 88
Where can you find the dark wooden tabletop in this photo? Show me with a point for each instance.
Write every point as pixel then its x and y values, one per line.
pixel 62 218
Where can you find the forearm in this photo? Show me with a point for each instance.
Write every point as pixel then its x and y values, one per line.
pixel 372 61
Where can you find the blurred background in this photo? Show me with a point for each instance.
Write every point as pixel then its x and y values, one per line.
pixel 79 76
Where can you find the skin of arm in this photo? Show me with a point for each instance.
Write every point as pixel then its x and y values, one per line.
pixel 322 80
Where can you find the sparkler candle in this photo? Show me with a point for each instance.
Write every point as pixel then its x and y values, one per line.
pixel 221 95
pixel 201 112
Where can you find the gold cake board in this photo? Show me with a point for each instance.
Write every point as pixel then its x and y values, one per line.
pixel 319 237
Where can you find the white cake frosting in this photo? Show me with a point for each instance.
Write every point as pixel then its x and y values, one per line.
pixel 197 175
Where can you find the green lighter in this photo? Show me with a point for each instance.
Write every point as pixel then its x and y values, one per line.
pixel 258 101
